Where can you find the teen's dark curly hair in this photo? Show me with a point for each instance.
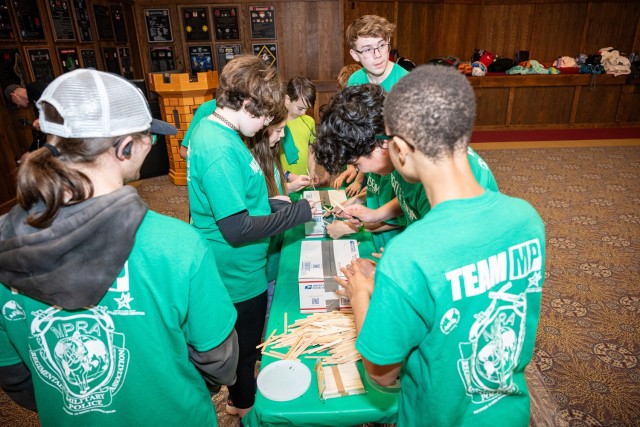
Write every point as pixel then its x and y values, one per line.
pixel 348 126
pixel 433 107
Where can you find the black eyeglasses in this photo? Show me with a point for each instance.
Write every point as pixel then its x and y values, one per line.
pixel 153 136
pixel 382 49
pixel 390 137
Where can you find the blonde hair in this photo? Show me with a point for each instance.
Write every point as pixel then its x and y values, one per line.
pixel 345 73
pixel 369 26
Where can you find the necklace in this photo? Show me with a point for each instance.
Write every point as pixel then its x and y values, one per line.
pixel 225 121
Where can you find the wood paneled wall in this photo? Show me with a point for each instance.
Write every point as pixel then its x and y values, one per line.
pixel 308 34
pixel 546 28
pixel 16 139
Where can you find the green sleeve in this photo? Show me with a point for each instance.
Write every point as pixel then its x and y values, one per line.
pixel 481 171
pixel 358 78
pixel 8 354
pixel 212 315
pixel 311 123
pixel 229 174
pixel 203 111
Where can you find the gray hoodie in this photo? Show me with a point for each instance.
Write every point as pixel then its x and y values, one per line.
pixel 73 262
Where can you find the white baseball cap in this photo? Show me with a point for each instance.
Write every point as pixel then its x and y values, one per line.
pixel 96 104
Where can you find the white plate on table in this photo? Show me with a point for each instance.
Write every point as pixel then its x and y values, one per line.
pixel 284 380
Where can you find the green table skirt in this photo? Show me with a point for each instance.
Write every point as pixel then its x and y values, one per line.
pixel 309 409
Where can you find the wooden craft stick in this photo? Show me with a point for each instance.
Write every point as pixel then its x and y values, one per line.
pixel 324 347
pixel 311 180
pixel 335 203
pixel 274 354
pixel 333 332
pixel 301 347
pixel 293 347
pixel 285 322
pixel 338 379
pixel 268 340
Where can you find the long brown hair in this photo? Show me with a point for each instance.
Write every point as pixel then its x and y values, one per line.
pixel 268 157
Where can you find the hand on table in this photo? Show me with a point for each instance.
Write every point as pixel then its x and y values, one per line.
pixel 353 189
pixel 359 279
pixel 347 176
pixel 337 229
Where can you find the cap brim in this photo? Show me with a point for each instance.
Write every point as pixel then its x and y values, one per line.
pixel 162 128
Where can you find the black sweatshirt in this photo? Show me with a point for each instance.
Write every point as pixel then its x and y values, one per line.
pixel 243 228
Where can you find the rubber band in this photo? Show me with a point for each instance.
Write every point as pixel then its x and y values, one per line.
pixel 54 151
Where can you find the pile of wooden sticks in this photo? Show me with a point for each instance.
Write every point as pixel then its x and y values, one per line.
pixel 333 332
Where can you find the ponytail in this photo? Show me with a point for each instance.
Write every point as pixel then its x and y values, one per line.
pixel 44 177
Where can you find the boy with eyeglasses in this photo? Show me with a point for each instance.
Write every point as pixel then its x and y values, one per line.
pixel 369 38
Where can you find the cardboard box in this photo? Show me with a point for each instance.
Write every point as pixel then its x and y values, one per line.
pixel 322 198
pixel 315 227
pixel 320 261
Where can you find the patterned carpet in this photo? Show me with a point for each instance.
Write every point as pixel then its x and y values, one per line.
pixel 585 371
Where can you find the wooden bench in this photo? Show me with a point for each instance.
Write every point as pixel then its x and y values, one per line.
pixel 512 102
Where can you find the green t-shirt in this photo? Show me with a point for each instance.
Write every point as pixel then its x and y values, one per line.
pixel 379 189
pixel 125 361
pixel 300 132
pixel 204 110
pixel 413 200
pixel 379 192
pixel 224 179
pixel 360 77
pixel 466 305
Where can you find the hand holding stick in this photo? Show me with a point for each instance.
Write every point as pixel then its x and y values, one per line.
pixel 360 225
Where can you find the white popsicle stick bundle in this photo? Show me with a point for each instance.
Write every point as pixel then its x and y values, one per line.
pixel 333 332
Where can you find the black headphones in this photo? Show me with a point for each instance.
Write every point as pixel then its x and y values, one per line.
pixel 126 150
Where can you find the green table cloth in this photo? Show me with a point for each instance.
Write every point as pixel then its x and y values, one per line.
pixel 309 409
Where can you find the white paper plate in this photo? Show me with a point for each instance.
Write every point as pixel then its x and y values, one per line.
pixel 284 380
